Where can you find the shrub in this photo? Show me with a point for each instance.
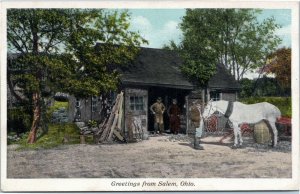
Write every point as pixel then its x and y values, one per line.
pixel 54 137
pixel 92 123
pixel 19 119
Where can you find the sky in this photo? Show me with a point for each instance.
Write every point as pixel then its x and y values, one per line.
pixel 159 26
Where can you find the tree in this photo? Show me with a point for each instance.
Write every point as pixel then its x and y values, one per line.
pixel 232 37
pixel 279 63
pixel 57 52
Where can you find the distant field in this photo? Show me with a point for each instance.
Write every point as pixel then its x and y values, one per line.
pixel 283 103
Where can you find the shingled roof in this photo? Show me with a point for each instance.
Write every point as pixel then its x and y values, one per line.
pixel 158 67
pixel 223 80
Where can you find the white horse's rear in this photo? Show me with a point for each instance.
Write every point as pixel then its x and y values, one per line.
pixel 245 113
pixel 253 113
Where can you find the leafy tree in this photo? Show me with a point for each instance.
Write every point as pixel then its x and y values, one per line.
pixel 246 87
pixel 280 65
pixel 56 52
pixel 232 37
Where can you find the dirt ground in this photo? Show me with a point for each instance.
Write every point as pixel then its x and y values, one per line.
pixel 166 156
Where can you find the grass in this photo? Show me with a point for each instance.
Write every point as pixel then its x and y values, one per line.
pixel 54 137
pixel 283 103
pixel 55 133
pixel 56 106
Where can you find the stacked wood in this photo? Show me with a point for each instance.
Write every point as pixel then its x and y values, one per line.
pixel 111 127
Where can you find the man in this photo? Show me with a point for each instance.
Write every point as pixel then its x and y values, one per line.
pixel 195 117
pixel 174 115
pixel 158 110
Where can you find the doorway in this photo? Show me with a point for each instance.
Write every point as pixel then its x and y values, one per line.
pixel 167 95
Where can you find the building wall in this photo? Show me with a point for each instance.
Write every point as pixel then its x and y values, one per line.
pixel 136 117
pixel 85 107
pixel 229 96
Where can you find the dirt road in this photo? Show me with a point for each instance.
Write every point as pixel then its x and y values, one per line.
pixel 158 157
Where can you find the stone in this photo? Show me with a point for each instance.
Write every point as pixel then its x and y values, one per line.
pixel 80 124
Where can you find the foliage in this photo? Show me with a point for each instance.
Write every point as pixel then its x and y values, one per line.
pixel 56 105
pixel 283 103
pixel 246 87
pixel 92 123
pixel 232 37
pixel 19 119
pixel 280 65
pixel 54 137
pixel 56 53
pixel 265 86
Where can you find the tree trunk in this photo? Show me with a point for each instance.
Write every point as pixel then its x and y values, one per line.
pixel 36 96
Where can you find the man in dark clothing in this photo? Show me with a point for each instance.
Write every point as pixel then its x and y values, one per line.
pixel 174 115
pixel 195 117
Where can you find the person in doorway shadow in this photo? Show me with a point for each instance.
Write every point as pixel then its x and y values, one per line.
pixel 158 109
pixel 174 115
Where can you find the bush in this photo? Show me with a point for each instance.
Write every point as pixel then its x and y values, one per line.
pixel 56 106
pixel 283 103
pixel 54 137
pixel 19 119
pixel 92 123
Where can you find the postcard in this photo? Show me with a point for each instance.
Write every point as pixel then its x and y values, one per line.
pixel 149 96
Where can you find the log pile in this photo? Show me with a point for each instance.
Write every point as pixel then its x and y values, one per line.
pixel 111 127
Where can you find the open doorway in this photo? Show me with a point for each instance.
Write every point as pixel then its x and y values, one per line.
pixel 167 94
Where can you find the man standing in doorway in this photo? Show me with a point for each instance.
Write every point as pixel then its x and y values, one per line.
pixel 158 110
pixel 174 114
pixel 195 117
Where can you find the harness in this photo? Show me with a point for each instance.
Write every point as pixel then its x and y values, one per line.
pixel 229 109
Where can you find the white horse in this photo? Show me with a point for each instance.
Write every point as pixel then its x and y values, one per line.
pixel 242 113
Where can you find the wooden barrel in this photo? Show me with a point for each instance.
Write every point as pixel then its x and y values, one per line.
pixel 261 133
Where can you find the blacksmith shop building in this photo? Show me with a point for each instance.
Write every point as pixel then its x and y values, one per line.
pixel 156 73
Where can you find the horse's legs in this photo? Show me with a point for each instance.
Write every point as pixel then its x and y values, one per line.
pixel 275 133
pixel 240 135
pixel 235 132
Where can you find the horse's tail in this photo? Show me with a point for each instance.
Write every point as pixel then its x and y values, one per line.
pixel 277 113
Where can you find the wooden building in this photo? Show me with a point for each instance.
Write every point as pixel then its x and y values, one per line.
pixel 156 73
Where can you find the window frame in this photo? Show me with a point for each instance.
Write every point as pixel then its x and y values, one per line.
pixel 215 95
pixel 136 103
pixel 77 103
pixel 94 103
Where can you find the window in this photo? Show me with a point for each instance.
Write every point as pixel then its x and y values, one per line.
pixel 215 96
pixel 77 103
pixel 136 103
pixel 94 104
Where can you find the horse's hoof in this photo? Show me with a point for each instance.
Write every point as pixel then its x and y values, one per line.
pixel 234 147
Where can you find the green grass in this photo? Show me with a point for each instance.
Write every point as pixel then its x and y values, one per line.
pixel 283 103
pixel 54 137
pixel 56 106
pixel 55 133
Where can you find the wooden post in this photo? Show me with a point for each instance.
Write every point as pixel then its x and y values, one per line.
pixel 203 100
pixel 187 108
pixel 82 139
pixel 208 95
pixel 120 111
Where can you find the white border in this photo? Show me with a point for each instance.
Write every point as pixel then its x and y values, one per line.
pixel 201 184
